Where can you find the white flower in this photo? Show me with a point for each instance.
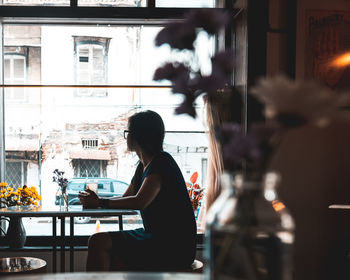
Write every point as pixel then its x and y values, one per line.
pixel 306 99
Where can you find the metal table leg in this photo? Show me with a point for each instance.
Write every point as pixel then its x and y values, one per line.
pixel 63 241
pixel 71 245
pixel 54 248
pixel 120 220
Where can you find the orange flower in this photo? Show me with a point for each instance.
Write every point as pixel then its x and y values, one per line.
pixel 20 196
pixel 194 190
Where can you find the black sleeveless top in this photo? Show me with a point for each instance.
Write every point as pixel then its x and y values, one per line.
pixel 170 215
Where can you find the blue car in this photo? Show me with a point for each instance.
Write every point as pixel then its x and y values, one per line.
pixel 106 187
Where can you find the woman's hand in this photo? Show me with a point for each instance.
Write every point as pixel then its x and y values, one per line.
pixel 89 199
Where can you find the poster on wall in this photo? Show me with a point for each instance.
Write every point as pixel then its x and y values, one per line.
pixel 327 53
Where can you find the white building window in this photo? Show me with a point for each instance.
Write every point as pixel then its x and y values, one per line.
pixel 91 65
pixel 15 73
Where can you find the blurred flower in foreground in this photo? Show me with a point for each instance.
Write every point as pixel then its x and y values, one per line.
pixel 288 103
pixel 187 77
pixel 250 151
pixel 299 101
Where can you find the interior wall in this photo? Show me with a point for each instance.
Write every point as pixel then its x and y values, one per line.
pixel 302 6
pixel 277 42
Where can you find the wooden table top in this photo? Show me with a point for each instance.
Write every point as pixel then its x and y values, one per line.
pixel 112 276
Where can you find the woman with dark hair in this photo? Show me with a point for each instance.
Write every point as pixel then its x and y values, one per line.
pixel 158 190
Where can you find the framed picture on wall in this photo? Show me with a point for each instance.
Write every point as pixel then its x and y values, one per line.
pixel 327 50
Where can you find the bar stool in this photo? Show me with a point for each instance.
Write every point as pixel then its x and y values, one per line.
pixel 22 265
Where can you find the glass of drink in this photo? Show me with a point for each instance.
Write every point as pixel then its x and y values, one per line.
pixel 92 185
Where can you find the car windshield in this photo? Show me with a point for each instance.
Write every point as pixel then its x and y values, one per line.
pixel 76 186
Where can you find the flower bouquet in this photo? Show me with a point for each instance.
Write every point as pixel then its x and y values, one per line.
pixel 21 196
pixel 63 183
pixel 195 192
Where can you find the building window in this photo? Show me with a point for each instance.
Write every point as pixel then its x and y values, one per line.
pixel 15 73
pixel 89 168
pixel 90 143
pixel 16 173
pixel 91 55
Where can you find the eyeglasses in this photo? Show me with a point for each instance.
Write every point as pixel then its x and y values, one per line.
pixel 126 132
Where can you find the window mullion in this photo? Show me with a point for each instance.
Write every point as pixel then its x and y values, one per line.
pixel 74 3
pixel 2 109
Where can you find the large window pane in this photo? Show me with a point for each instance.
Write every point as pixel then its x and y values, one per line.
pixel 36 2
pixel 82 134
pixel 113 3
pixel 186 3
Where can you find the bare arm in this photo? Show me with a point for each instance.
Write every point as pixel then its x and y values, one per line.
pixel 147 192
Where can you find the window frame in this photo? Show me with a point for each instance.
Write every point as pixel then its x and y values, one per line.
pixel 149 15
pixel 11 56
pixel 90 42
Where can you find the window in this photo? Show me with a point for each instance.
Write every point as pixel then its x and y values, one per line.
pixel 15 73
pixel 89 168
pixel 91 64
pixel 36 2
pixel 89 143
pixel 16 173
pixel 113 3
pixel 84 136
pixel 186 3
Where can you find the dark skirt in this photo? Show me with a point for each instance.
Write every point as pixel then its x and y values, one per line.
pixel 140 250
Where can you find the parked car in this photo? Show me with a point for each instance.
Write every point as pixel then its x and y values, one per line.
pixel 106 187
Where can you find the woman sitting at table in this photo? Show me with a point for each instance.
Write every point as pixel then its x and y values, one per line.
pixel 158 190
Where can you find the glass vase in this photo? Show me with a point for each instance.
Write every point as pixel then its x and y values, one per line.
pixel 249 232
pixel 64 202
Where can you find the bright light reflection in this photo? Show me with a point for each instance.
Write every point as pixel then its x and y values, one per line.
pixel 342 61
pixel 278 205
pixel 270 195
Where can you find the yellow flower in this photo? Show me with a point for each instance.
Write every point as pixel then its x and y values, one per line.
pixel 20 195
